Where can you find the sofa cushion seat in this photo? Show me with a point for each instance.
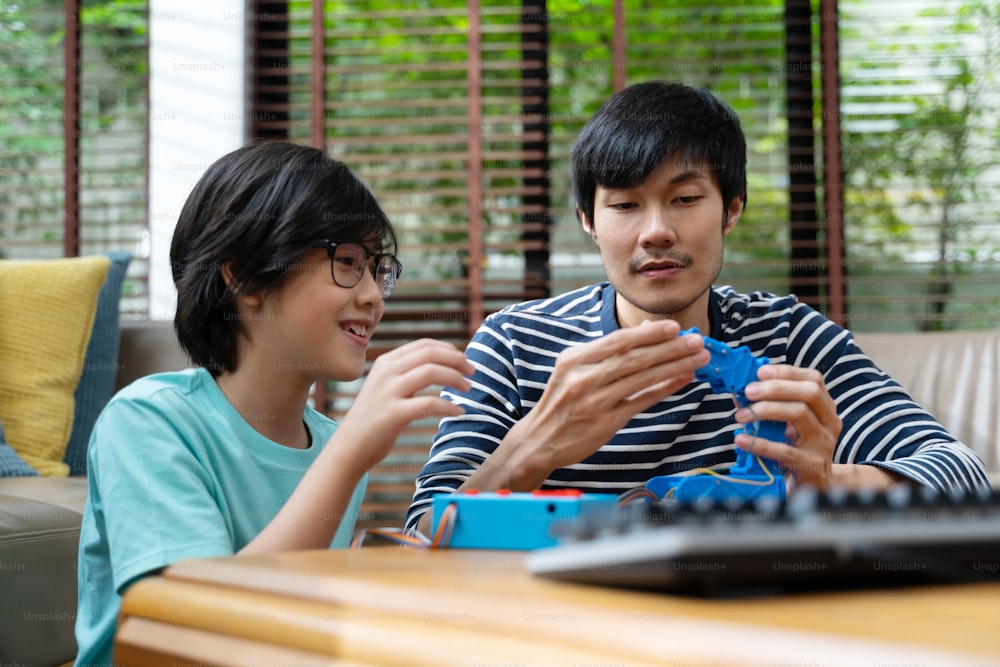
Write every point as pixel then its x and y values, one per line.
pixel 38 547
pixel 67 492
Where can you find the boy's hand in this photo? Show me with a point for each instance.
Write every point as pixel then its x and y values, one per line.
pixel 394 394
pixel 389 400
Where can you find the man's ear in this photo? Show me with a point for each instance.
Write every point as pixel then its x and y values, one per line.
pixel 587 227
pixel 251 300
pixel 733 213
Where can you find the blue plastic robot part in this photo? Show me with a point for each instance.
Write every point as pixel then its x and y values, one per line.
pixel 730 370
pixel 515 520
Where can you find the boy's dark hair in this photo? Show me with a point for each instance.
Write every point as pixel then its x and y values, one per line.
pixel 259 209
pixel 638 128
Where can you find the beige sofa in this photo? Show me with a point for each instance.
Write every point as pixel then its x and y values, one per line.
pixel 955 375
pixel 40 528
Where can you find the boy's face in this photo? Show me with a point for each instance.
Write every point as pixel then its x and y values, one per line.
pixel 661 242
pixel 315 326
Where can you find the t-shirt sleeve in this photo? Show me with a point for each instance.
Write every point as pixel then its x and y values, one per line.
pixel 158 501
pixel 882 425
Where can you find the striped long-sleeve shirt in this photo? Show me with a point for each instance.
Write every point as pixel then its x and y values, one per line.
pixel 515 350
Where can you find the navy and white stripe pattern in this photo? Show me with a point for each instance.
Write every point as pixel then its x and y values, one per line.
pixel 515 350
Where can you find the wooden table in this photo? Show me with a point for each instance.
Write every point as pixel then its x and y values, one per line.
pixel 406 606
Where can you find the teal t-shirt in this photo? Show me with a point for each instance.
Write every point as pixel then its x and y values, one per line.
pixel 175 472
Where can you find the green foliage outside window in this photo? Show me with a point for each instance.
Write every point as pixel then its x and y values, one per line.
pixel 921 138
pixel 112 119
pixel 922 165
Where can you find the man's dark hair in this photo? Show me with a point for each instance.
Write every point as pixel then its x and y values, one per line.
pixel 258 210
pixel 638 128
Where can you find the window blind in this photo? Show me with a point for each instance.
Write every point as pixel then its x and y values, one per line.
pixel 73 179
pixel 31 131
pixel 114 140
pixel 461 117
pixel 735 50
pixel 921 164
pixel 442 112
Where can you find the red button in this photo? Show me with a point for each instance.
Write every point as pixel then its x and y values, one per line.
pixel 573 493
pixel 472 492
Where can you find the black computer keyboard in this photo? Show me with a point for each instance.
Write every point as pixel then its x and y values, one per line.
pixel 814 540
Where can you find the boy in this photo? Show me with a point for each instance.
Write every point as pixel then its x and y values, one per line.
pixel 282 261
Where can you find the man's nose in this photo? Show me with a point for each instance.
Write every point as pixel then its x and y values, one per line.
pixel 658 227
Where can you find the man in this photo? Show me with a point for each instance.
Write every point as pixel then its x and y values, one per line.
pixel 595 389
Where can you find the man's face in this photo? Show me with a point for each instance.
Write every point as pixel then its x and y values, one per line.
pixel 661 242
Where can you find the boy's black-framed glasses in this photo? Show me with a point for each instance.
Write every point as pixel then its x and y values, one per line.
pixel 349 260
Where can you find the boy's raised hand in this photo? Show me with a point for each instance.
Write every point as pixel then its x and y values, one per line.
pixel 395 393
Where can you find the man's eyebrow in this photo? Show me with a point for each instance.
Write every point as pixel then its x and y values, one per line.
pixel 687 175
pixel 690 174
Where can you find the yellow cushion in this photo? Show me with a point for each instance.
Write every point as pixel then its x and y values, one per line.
pixel 47 310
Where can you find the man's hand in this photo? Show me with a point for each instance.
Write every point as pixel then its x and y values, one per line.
pixel 594 390
pixel 799 397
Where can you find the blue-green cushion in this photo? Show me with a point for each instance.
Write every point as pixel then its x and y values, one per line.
pixel 12 465
pixel 100 366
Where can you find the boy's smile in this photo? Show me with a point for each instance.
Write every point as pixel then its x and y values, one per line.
pixel 357 329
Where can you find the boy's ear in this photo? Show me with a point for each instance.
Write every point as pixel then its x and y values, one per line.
pixel 251 300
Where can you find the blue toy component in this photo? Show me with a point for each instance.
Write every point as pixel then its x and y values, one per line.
pixel 730 370
pixel 513 520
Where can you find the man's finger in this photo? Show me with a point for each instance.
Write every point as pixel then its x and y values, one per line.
pixel 625 340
